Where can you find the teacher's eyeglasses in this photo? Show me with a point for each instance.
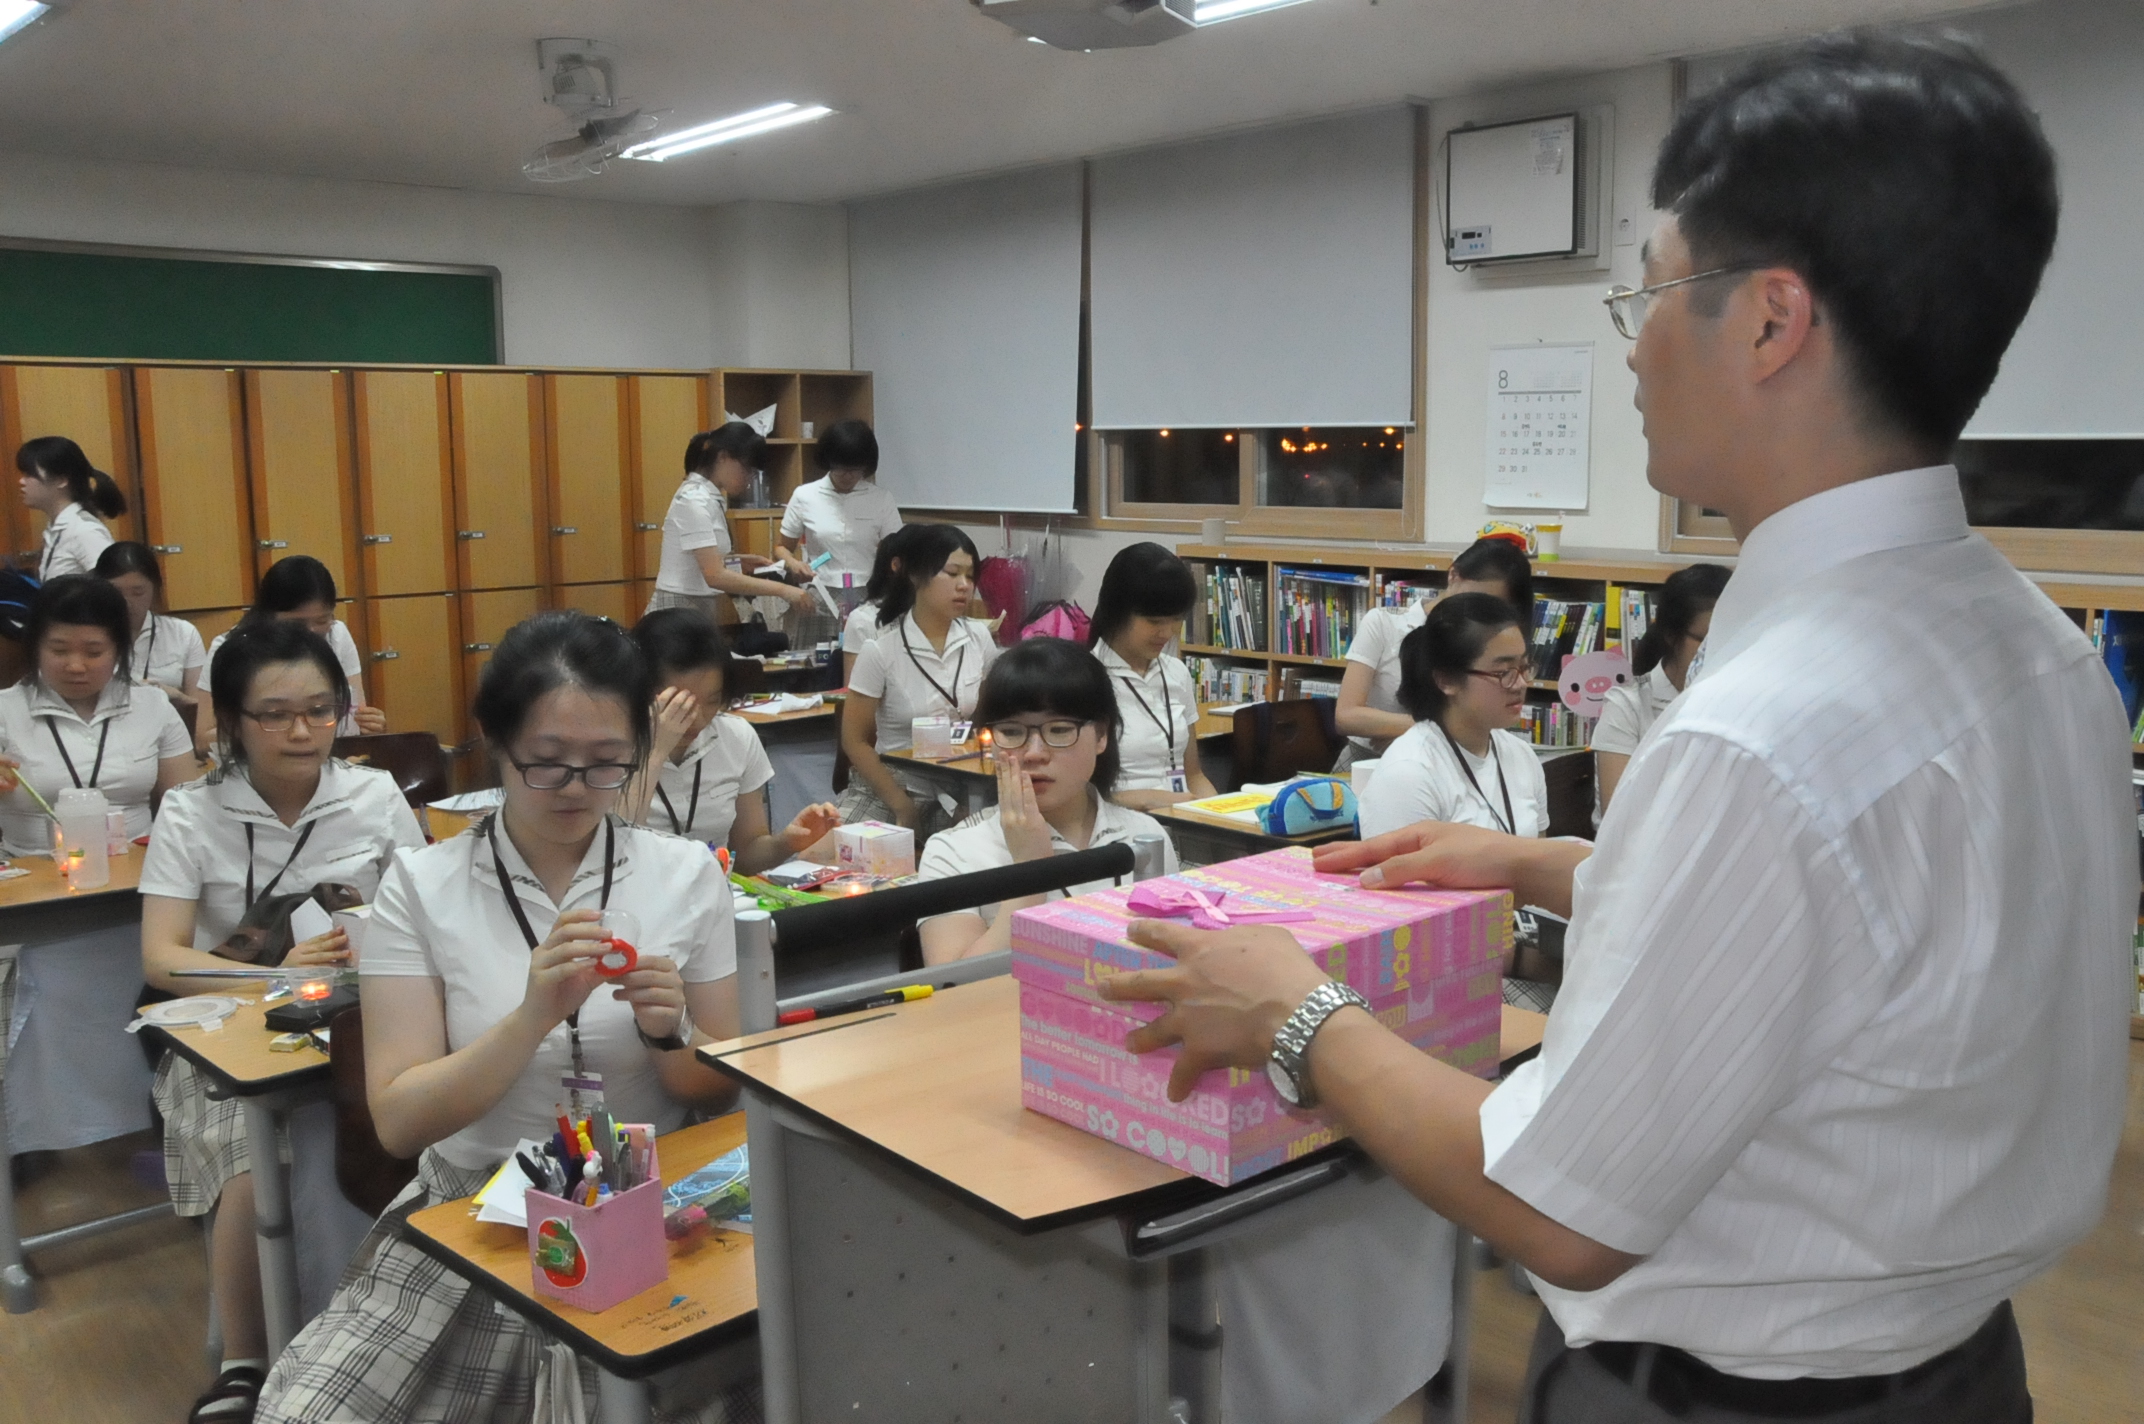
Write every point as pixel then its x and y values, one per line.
pixel 1011 736
pixel 1511 679
pixel 1629 306
pixel 555 776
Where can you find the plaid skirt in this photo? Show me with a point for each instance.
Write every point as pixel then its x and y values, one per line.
pixel 405 1339
pixel 707 603
pixel 204 1138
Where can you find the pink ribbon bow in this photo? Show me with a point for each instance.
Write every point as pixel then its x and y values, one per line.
pixel 1160 899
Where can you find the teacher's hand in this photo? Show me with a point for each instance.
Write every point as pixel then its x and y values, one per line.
pixel 1229 994
pixel 1436 853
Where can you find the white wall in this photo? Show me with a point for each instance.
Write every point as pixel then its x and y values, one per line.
pixel 1469 312
pixel 781 285
pixel 582 283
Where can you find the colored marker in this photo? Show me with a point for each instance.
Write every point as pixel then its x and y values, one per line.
pixel 906 995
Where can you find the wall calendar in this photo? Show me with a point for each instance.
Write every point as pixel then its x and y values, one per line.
pixel 1540 426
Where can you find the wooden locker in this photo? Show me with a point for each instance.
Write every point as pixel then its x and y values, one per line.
pixel 592 504
pixel 665 413
pixel 301 463
pixel 412 668
pixel 500 510
pixel 405 481
pixel 196 507
pixel 604 600
pixel 88 405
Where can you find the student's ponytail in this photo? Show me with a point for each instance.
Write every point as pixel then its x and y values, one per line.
pixel 1687 595
pixel 56 458
pixel 102 496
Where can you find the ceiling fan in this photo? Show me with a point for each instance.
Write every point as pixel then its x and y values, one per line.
pixel 580 81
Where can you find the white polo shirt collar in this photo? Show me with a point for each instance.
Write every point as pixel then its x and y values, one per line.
pixel 112 702
pixel 238 799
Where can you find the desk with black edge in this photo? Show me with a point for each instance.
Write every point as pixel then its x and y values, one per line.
pixel 36 910
pixel 927 1244
pixel 709 1300
pixel 1203 838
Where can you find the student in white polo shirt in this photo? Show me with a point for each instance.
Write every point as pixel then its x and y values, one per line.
pixel 279 817
pixel 1660 664
pixel 299 589
pixel 719 466
pixel 168 652
pixel 1139 614
pixel 707 774
pixel 482 996
pixel 59 482
pixel 77 721
pixel 1053 722
pixel 1369 711
pixel 927 661
pixel 861 626
pixel 832 526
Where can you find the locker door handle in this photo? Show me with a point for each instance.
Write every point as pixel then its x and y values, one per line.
pixel 168 548
pixel 385 655
pixel 476 647
pixel 272 543
pixel 649 528
pixel 468 533
pixel 377 539
pixel 564 529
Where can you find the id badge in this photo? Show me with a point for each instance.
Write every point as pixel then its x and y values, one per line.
pixel 584 1094
pixel 1178 782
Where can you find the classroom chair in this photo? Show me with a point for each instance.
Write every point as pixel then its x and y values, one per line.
pixel 418 762
pixel 1570 780
pixel 369 1175
pixel 1274 741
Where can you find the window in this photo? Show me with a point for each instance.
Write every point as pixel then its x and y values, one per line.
pixel 1332 469
pixel 1340 482
pixel 1180 466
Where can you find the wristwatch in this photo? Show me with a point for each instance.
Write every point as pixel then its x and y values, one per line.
pixel 1289 1067
pixel 680 1037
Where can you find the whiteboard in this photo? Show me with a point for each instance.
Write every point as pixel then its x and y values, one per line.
pixel 1540 426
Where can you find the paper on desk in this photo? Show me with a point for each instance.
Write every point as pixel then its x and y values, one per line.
pixel 502 1197
pixel 470 802
pixel 1243 805
pixel 783 702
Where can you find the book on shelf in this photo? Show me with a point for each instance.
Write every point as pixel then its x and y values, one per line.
pixel 1405 593
pixel 1299 682
pixel 1232 611
pixel 1319 610
pixel 1564 630
pixel 1551 724
pixel 1218 681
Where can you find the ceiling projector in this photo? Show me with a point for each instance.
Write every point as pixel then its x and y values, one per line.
pixel 1095 24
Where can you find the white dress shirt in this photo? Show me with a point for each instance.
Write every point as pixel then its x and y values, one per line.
pixel 1842 1046
pixel 1421 779
pixel 1628 712
pixel 346 654
pixel 1377 647
pixel 696 795
pixel 116 750
pixel 912 679
pixel 978 843
pixel 860 627
pixel 166 649
pixel 199 850
pixel 441 914
pixel 698 518
pixel 73 540
pixel 1160 712
pixel 847 526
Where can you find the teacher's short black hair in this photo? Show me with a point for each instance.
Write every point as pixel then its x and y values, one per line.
pixel 558 649
pixel 1062 679
pixel 1144 580
pixel 258 643
pixel 1453 633
pixel 848 445
pixel 1905 180
pixel 79 601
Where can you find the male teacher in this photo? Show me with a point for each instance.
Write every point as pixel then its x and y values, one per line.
pixel 1840 1055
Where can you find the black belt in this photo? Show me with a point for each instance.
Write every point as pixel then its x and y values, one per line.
pixel 1679 1380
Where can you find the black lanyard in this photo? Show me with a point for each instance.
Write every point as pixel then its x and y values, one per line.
pixel 52 725
pixel 952 703
pixel 303 836
pixel 692 806
pixel 1167 720
pixel 1510 824
pixel 528 931
pixel 148 657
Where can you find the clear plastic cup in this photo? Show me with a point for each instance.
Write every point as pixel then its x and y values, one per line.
pixel 622 928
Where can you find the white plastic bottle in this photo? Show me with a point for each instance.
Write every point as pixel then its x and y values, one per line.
pixel 79 843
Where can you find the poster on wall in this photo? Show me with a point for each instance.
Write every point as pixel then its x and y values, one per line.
pixel 1540 426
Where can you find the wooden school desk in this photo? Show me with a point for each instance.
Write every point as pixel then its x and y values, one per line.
pixel 972 780
pixel 926 1243
pixel 709 1300
pixel 35 910
pixel 270 1085
pixel 1202 838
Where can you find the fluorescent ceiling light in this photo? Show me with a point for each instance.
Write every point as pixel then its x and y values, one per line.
pixel 737 126
pixel 1213 12
pixel 14 14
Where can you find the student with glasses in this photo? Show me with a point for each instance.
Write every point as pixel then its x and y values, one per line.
pixel 1054 727
pixel 280 816
pixel 481 997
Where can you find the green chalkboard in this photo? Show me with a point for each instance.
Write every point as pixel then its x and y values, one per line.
pixel 115 305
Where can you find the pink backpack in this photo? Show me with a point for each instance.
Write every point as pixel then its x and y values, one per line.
pixel 1060 619
pixel 1002 584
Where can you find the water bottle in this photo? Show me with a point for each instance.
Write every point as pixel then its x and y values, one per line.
pixel 79 843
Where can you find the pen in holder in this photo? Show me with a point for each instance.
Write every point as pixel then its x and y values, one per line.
pixel 595 1256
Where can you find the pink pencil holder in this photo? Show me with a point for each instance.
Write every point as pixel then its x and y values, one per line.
pixel 595 1256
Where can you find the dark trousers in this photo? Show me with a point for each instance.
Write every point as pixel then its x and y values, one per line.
pixel 1981 1381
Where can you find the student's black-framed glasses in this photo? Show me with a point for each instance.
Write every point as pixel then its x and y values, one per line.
pixel 281 719
pixel 556 776
pixel 1011 736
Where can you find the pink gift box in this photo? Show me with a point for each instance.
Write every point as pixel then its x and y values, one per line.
pixel 1430 962
pixel 595 1256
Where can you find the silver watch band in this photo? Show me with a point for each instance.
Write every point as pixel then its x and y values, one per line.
pixel 1291 1043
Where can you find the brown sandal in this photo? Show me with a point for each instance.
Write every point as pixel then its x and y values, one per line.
pixel 230 1399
